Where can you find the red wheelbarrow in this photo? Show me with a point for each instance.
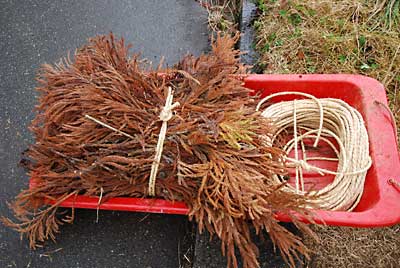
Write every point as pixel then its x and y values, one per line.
pixel 380 202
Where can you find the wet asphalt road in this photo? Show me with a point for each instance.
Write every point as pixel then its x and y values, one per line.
pixel 37 32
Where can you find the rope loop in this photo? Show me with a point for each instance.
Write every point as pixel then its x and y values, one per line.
pixel 334 122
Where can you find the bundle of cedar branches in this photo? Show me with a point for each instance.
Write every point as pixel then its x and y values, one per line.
pixel 97 128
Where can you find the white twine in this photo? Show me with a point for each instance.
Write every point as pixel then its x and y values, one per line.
pixel 165 115
pixel 321 119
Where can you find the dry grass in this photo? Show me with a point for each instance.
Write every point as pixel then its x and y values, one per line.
pixel 321 36
pixel 222 15
pixel 348 247
pixel 318 36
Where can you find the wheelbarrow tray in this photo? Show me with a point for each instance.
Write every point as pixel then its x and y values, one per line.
pixel 380 202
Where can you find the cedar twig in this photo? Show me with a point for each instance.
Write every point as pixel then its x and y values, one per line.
pixel 214 143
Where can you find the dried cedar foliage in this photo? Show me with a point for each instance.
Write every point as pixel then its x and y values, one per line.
pixel 215 159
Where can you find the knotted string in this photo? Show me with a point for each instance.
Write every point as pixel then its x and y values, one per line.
pixel 165 115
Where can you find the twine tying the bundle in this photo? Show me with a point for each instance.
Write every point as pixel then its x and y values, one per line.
pixel 321 119
pixel 165 115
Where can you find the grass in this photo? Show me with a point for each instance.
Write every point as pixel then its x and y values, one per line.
pixel 223 15
pixel 353 248
pixel 332 37
pixel 321 36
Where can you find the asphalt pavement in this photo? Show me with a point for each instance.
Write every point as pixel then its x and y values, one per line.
pixel 37 32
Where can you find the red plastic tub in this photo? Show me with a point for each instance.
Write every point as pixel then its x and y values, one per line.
pixel 380 203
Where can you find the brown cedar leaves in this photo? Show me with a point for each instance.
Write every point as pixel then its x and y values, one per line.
pixel 215 158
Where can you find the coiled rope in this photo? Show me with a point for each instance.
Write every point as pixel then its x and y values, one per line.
pixel 324 119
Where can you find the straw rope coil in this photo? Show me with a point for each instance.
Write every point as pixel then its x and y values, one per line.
pixel 324 119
